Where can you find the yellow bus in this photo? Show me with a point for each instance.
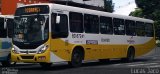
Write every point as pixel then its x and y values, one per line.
pixel 46 33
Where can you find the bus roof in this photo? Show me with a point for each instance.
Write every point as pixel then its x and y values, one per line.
pixel 90 11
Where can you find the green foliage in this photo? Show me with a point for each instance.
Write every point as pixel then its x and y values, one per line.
pixel 149 9
pixel 137 13
pixel 108 6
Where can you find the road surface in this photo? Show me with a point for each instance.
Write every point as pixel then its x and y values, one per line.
pixel 147 64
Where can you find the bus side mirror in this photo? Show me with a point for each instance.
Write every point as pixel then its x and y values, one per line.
pixel 58 19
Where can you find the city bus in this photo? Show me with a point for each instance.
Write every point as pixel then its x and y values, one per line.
pixel 6 30
pixel 48 33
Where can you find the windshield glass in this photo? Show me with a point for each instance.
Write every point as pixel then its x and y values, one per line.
pixel 31 28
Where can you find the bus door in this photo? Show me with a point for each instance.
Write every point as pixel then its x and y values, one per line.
pixel 59 31
pixel 5 39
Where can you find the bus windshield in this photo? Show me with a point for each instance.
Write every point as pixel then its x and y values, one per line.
pixel 31 28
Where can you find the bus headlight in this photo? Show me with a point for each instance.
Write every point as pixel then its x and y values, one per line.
pixel 43 49
pixel 15 51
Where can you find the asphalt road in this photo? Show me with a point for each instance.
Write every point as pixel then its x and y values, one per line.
pixel 147 64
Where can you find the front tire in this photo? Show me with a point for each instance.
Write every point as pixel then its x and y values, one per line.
pixel 7 63
pixel 76 59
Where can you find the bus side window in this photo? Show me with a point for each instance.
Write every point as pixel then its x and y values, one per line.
pixel 119 26
pixel 130 28
pixel 106 26
pixel 59 30
pixel 140 29
pixel 3 32
pixel 76 22
pixel 10 27
pixel 149 30
pixel 91 23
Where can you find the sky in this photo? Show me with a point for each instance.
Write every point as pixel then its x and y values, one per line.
pixel 124 7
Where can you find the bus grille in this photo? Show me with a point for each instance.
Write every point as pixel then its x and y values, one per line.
pixel 28 51
pixel 27 57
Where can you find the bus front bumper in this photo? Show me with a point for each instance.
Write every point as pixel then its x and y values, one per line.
pixel 32 58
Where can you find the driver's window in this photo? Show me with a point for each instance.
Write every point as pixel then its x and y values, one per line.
pixel 59 29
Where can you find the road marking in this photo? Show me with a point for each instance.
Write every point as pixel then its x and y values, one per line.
pixel 143 64
pixel 117 64
pixel 157 61
pixel 154 57
pixel 154 66
pixel 127 63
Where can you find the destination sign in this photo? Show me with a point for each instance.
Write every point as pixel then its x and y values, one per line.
pixel 36 9
pixel 32 10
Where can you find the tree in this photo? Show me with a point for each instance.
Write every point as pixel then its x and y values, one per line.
pixel 108 6
pixel 137 13
pixel 149 9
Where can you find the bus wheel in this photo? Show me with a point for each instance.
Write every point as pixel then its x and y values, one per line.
pixel 77 57
pixel 45 65
pixel 7 62
pixel 130 55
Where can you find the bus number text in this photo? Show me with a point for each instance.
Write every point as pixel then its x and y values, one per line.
pixel 77 36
